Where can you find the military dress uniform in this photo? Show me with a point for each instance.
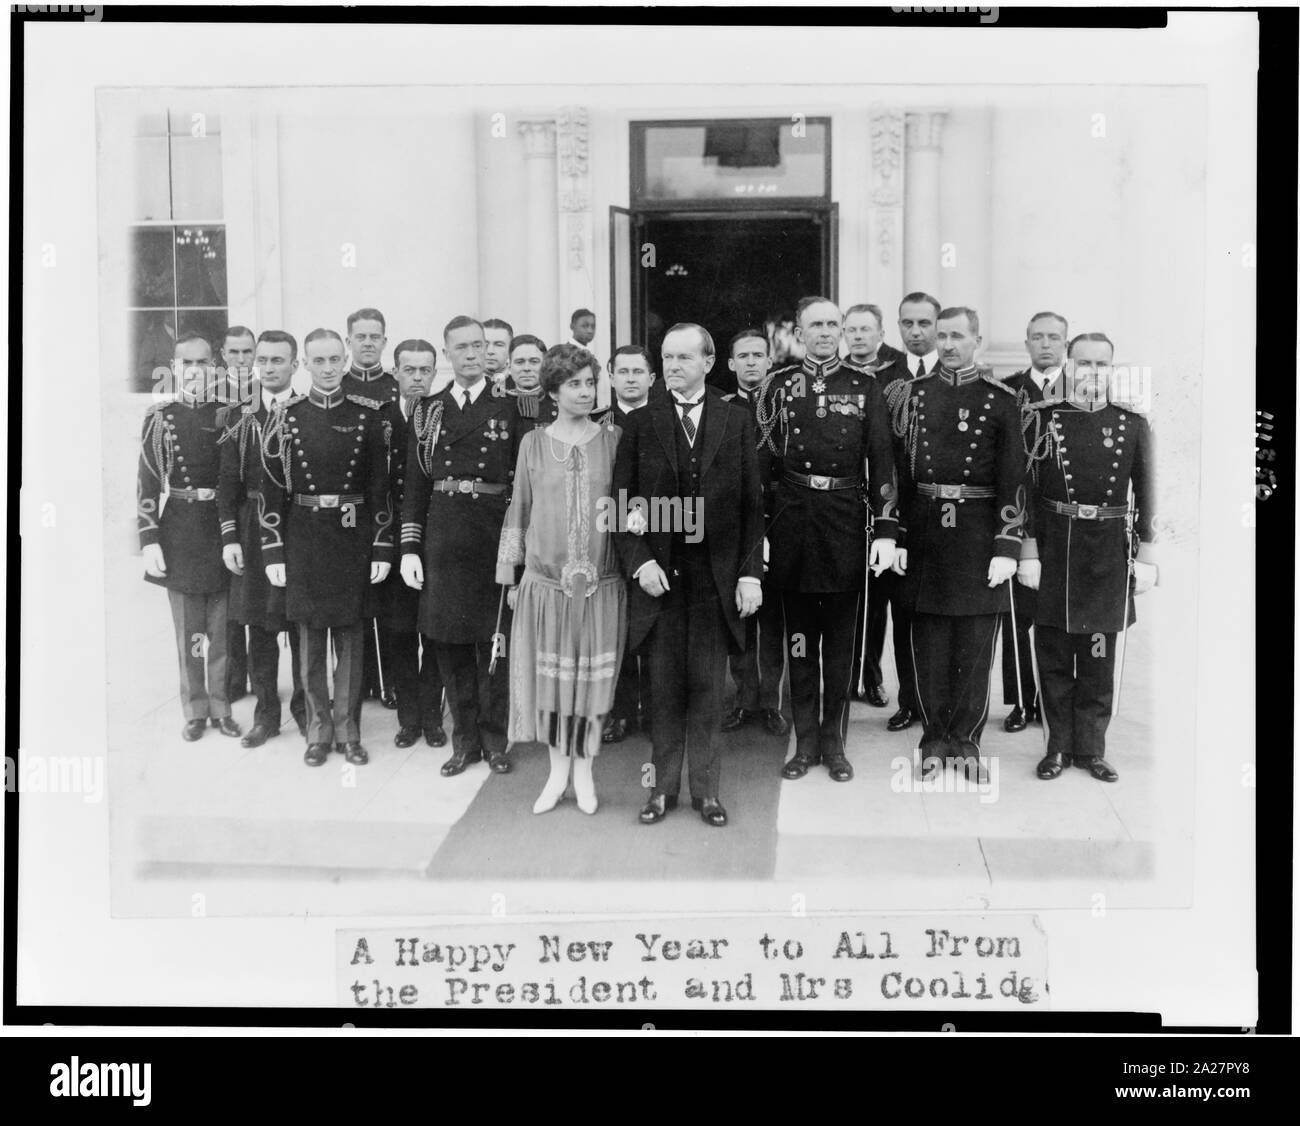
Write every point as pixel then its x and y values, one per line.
pixel 1027 392
pixel 759 671
pixel 179 455
pixel 326 515
pixel 534 408
pixel 820 423
pixel 1083 462
pixel 382 386
pixel 962 483
pixel 254 602
pixel 459 467
pixel 415 676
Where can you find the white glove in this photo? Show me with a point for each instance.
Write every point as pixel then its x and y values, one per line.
pixel 1000 570
pixel 1029 573
pixel 512 596
pixel 900 561
pixel 1144 576
pixel 412 569
pixel 154 564
pixel 275 574
pixel 637 524
pixel 379 571
pixel 232 555
pixel 882 555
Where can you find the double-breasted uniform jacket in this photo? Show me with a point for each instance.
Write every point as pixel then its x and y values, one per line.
pixel 962 483
pixel 730 505
pixel 886 357
pixel 178 450
pixel 458 531
pixel 534 409
pixel 253 600
pixel 325 509
pixel 820 424
pixel 374 383
pixel 1088 458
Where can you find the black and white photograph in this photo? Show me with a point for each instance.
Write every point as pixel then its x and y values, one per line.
pixel 723 491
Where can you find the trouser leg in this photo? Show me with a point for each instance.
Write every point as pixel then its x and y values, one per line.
pixel 215 608
pixel 877 615
pixel 189 621
pixel 348 673
pixel 1055 652
pixel 430 685
pixel 975 636
pixel 904 659
pixel 803 629
pixel 238 660
pixel 401 651
pixel 706 676
pixel 665 649
pixel 314 668
pixel 1094 692
pixel 930 656
pixel 837 614
pixel 744 668
pixel 494 697
pixel 459 670
pixel 263 673
pixel 1028 690
pixel 298 698
pixel 771 650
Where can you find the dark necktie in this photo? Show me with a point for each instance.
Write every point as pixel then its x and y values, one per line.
pixel 920 369
pixel 687 424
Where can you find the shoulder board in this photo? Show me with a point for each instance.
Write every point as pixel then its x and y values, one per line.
pixel 362 401
pixel 989 378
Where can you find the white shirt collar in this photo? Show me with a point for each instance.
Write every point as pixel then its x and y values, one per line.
pixel 628 408
pixel 474 391
pixel 1043 378
pixel 269 399
pixel 931 359
pixel 682 400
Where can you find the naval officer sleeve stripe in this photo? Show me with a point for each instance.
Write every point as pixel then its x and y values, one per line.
pixel 412 533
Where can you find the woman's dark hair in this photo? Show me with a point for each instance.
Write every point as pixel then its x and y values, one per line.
pixel 562 363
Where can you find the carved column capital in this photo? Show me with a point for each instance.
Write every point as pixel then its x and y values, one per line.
pixel 924 129
pixel 539 137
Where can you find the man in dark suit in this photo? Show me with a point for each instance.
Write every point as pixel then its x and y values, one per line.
pixel 237 357
pixel 254 602
pixel 697 563
pixel 760 670
pixel 1045 342
pixel 460 464
pixel 415 676
pixel 631 378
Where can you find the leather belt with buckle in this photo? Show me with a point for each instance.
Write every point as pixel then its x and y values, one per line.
pixel 820 483
pixel 452 485
pixel 328 500
pixel 1088 511
pixel 956 492
pixel 193 494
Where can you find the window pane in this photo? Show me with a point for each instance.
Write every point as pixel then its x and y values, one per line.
pixel 734 160
pixel 152 195
pixel 153 340
pixel 196 177
pixel 200 265
pixel 210 323
pixel 153 282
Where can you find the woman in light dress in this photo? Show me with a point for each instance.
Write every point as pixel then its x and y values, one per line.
pixel 570 605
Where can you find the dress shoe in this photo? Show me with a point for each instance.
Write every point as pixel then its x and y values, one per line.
pixel 258 734
pixel 1051 765
pixel 774 723
pixel 355 753
pixel 798 766
pixel 316 754
pixel 498 762
pixel 193 729
pixel 876 697
pixel 459 761
pixel 654 811
pixel 435 736
pixel 901 720
pixel 227 727
pixel 838 767
pixel 734 719
pixel 1016 720
pixel 388 697
pixel 615 731
pixel 711 812
pixel 406 736
pixel 1099 768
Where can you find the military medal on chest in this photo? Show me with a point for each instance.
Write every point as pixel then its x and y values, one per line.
pixel 1106 439
pixel 962 415
pixel 819 383
pixel 492 430
pixel 821 399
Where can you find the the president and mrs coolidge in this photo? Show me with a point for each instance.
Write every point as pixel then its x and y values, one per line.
pixel 936 474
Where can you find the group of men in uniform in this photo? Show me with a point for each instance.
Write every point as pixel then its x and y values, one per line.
pixel 913 479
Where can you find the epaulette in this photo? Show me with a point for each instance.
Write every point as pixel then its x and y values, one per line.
pixel 362 401
pixel 994 381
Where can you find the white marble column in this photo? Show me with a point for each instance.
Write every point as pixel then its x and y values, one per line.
pixel 542 241
pixel 922 239
pixel 885 215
